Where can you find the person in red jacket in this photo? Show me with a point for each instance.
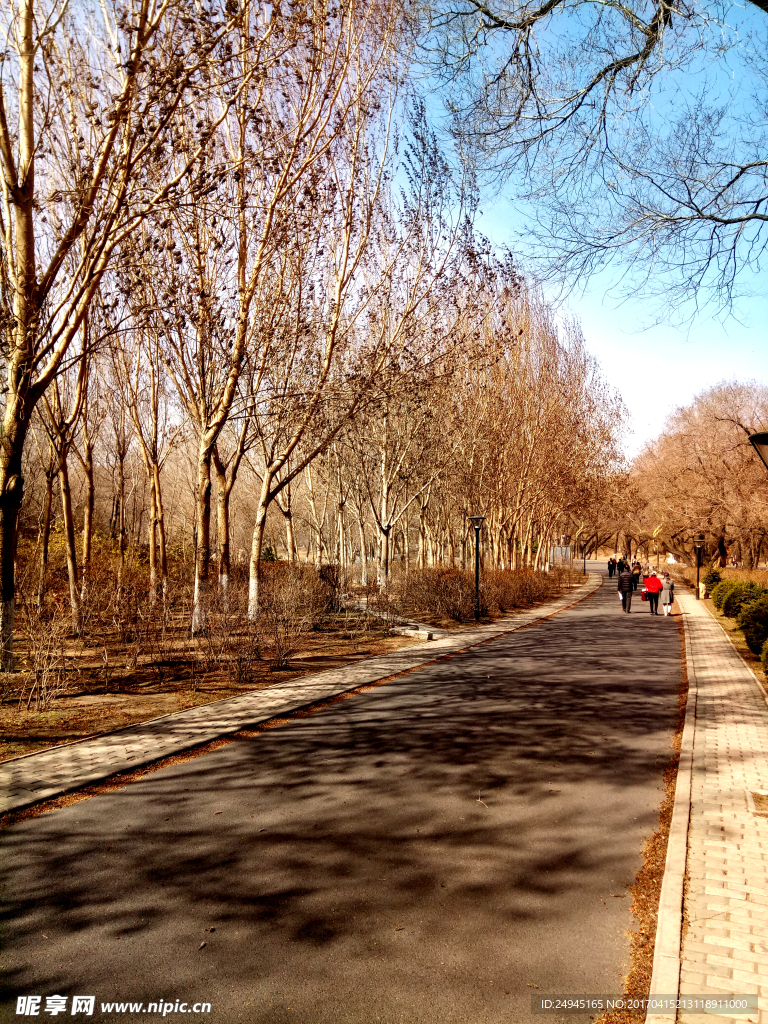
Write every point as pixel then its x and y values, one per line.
pixel 653 586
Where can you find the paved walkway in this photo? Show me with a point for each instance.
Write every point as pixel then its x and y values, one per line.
pixel 41 776
pixel 443 849
pixel 725 946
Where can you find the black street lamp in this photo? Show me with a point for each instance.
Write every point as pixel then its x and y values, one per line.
pixel 760 443
pixel 477 522
pixel 699 545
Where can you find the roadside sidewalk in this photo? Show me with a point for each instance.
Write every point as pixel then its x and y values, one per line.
pixel 723 948
pixel 50 773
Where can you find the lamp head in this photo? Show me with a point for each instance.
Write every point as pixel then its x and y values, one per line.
pixel 760 443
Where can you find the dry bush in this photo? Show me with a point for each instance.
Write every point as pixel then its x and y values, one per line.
pixel 292 599
pixel 45 679
pixel 445 592
pixel 519 588
pixel 450 593
pixel 687 574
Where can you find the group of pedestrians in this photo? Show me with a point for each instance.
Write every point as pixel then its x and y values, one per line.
pixel 656 587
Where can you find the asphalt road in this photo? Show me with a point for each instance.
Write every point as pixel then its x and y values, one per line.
pixel 424 852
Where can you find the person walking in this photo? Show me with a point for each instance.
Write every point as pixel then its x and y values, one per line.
pixel 653 587
pixel 667 593
pixel 625 588
pixel 611 567
pixel 636 571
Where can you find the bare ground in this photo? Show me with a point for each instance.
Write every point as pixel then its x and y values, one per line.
pixel 97 702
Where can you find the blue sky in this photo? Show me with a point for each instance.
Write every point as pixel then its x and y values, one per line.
pixel 661 367
pixel 657 367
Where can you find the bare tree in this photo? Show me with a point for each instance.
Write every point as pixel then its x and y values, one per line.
pixel 639 143
pixel 700 475
pixel 85 104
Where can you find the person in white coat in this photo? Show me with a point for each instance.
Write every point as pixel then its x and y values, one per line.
pixel 667 593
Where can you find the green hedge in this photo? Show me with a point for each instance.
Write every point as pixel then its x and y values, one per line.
pixel 753 619
pixel 711 579
pixel 721 591
pixel 742 594
pixel 764 657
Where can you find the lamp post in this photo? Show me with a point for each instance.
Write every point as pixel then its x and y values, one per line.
pixel 760 443
pixel 699 545
pixel 477 522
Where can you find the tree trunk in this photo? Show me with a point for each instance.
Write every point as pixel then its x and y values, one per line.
pixel 363 552
pixel 203 541
pixel 45 536
pixel 222 528
pixel 120 524
pixel 152 543
pixel 421 560
pixel 341 539
pixel 90 500
pixel 257 545
pixel 69 539
pixel 160 518
pixel 315 521
pixel 383 567
pixel 11 494
pixel 290 541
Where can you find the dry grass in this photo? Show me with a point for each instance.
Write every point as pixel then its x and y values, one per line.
pixel 139 695
pixel 687 575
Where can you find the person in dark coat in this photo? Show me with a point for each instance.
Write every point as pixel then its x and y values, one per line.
pixel 611 567
pixel 636 571
pixel 625 587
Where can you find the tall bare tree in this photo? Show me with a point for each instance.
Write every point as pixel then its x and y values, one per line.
pixel 86 99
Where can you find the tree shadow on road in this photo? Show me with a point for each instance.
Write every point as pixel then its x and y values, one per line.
pixel 387 858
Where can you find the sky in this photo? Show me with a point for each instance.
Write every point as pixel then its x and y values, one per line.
pixel 656 369
pixel 659 369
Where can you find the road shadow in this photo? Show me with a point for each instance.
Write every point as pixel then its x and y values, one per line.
pixel 426 851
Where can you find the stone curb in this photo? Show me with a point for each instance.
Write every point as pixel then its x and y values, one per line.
pixel 665 976
pixel 45 774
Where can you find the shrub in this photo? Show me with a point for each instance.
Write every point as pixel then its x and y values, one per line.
pixel 331 578
pixel 518 588
pixel 720 591
pixel 711 578
pixel 741 594
pixel 443 591
pixel 753 619
pixel 292 598
pixel 764 657
pixel 450 593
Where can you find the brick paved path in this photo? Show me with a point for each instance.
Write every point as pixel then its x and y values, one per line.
pixel 49 773
pixel 725 949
